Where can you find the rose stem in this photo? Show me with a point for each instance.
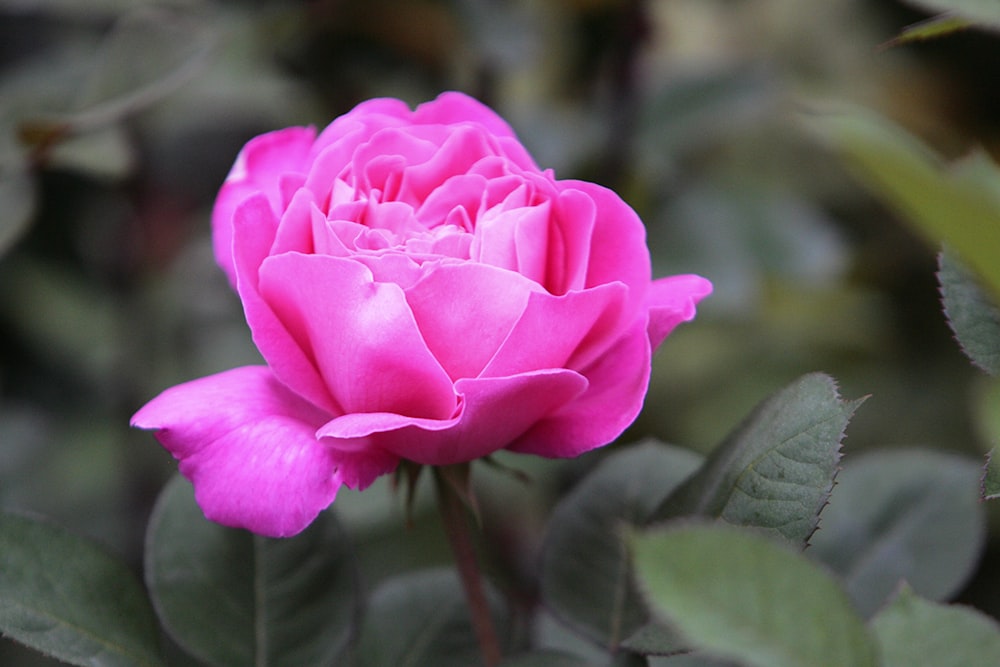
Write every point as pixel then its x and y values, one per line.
pixel 456 526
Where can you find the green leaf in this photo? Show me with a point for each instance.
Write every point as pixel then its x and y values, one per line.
pixel 972 315
pixel 737 594
pixel 66 597
pixel 902 514
pixel 936 26
pixel 584 541
pixel 913 632
pixel 234 598
pixel 694 659
pixel 990 484
pixel 982 12
pixel 421 619
pixel 776 470
pixel 958 204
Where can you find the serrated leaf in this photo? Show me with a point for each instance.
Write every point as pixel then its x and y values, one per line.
pixel 912 631
pixel 990 484
pixel 66 597
pixel 956 204
pixel 737 594
pixel 902 514
pixel 584 540
pixel 972 315
pixel 233 598
pixel 776 470
pixel 421 619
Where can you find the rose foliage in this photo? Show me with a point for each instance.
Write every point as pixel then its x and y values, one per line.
pixel 420 290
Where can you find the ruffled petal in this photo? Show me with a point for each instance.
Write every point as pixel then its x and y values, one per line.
pixel 617 387
pixel 249 446
pixel 672 300
pixel 259 168
pixel 465 311
pixel 360 333
pixel 493 412
pixel 256 229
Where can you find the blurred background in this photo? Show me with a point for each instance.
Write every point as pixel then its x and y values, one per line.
pixel 119 120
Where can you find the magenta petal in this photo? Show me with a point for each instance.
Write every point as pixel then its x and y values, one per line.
pixel 672 300
pixel 614 396
pixel 259 168
pixel 360 333
pixel 465 311
pixel 249 446
pixel 493 413
pixel 256 230
pixel 561 331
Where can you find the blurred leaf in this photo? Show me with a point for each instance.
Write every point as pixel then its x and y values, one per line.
pixel 234 598
pixel 776 470
pixel 699 107
pixel 88 7
pixel 64 596
pixel 982 12
pixel 584 540
pixel 17 196
pixel 737 594
pixel 149 54
pixel 936 26
pixel 545 659
pixel 959 205
pixel 971 314
pixel 902 514
pixel 67 319
pixel 105 153
pixel 420 619
pixel 990 488
pixel 912 631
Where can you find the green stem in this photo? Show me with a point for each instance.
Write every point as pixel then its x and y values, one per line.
pixel 456 526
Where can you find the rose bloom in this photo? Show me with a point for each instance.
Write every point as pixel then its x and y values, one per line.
pixel 420 290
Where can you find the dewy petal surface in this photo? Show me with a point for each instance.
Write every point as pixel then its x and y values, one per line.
pixel 249 446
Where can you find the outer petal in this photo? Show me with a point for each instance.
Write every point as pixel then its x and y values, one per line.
pixel 618 383
pixel 493 413
pixel 671 301
pixel 248 445
pixel 256 230
pixel 465 311
pixel 360 334
pixel 258 169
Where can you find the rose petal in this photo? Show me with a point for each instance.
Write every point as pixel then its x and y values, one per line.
pixel 360 333
pixel 249 446
pixel 259 168
pixel 256 228
pixel 465 311
pixel 672 300
pixel 615 393
pixel 561 331
pixel 493 412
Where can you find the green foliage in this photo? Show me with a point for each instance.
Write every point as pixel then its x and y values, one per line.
pixel 913 631
pixel 737 594
pixel 981 12
pixel 584 541
pixel 545 659
pixel 17 195
pixel 234 598
pixel 68 598
pixel 776 470
pixel 419 620
pixel 990 485
pixel 936 26
pixel 898 515
pixel 972 315
pixel 957 204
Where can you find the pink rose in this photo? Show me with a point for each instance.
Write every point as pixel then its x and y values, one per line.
pixel 420 290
